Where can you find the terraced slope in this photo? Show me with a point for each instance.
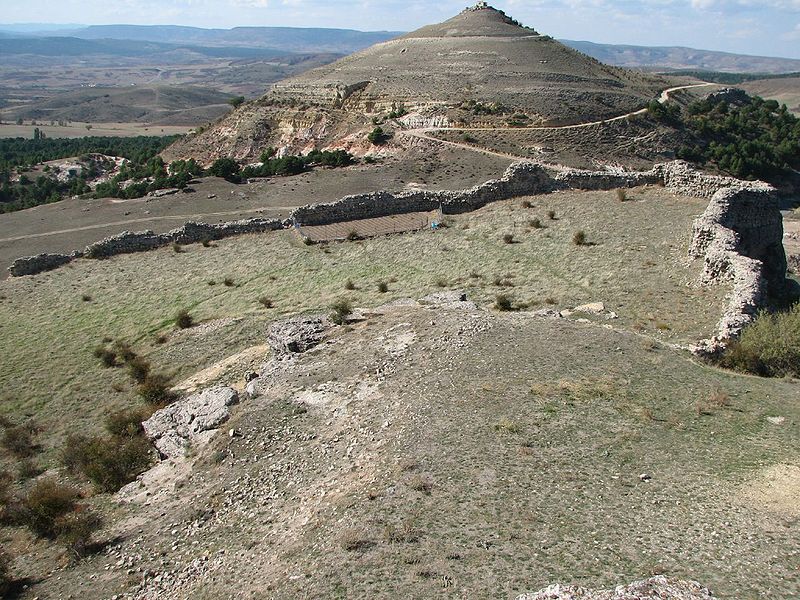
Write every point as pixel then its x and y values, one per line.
pixel 479 55
pixel 480 67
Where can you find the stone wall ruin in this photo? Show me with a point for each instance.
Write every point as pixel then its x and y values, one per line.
pixel 739 237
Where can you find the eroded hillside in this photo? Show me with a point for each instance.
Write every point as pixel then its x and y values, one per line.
pixel 480 67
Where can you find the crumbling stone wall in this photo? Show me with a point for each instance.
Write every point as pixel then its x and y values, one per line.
pixel 740 239
pixel 520 179
pixel 190 233
pixel 740 236
pixel 31 265
pixel 128 242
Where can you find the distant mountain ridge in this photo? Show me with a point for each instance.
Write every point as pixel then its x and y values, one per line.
pixel 284 39
pixel 346 41
pixel 70 46
pixel 679 57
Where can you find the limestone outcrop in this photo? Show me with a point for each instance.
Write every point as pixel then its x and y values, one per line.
pixel 189 422
pixel 657 588
pixel 298 335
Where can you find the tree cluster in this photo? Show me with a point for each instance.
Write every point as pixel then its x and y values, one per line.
pixel 755 139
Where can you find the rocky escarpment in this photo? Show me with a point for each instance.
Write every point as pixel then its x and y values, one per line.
pixel 657 588
pixel 740 240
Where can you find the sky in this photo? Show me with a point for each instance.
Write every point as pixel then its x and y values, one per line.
pixel 764 27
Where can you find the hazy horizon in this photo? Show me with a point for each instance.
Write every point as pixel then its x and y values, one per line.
pixel 765 28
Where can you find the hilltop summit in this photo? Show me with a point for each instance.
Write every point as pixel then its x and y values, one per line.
pixel 478 20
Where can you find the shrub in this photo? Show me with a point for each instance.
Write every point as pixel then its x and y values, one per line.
pixel 18 440
pixel 124 351
pixel 508 238
pixel 109 463
pixel 421 483
pixel 579 238
pixel 506 425
pixel 266 302
pixel 527 204
pixel 206 243
pixel 383 287
pixel 75 529
pixel 177 248
pixel 551 214
pixel 355 539
pixel 6 580
pixel 622 195
pixel 183 320
pixel 126 423
pixel 139 369
pixel 86 298
pixel 535 223
pixel 107 357
pixel 227 168
pixel 349 285
pixel 503 302
pixel 228 282
pixel 769 347
pixel 719 398
pixel 353 236
pixel 378 136
pixel 341 310
pixel 28 469
pixel 156 390
pixel 44 503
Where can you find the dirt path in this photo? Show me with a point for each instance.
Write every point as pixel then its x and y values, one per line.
pixel 424 133
pixel 182 218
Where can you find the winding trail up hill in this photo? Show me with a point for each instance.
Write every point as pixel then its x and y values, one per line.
pixel 480 58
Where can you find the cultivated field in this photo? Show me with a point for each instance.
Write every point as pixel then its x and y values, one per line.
pixel 79 130
pixel 785 91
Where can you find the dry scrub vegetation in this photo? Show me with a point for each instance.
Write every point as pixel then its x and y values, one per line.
pixel 636 266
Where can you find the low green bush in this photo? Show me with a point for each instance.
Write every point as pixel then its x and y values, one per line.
pixel 109 463
pixel 183 320
pixel 770 346
pixel 44 504
pixel 156 390
pixel 341 310
pixel 127 423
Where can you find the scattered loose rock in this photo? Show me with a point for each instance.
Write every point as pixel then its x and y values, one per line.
pixel 657 588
